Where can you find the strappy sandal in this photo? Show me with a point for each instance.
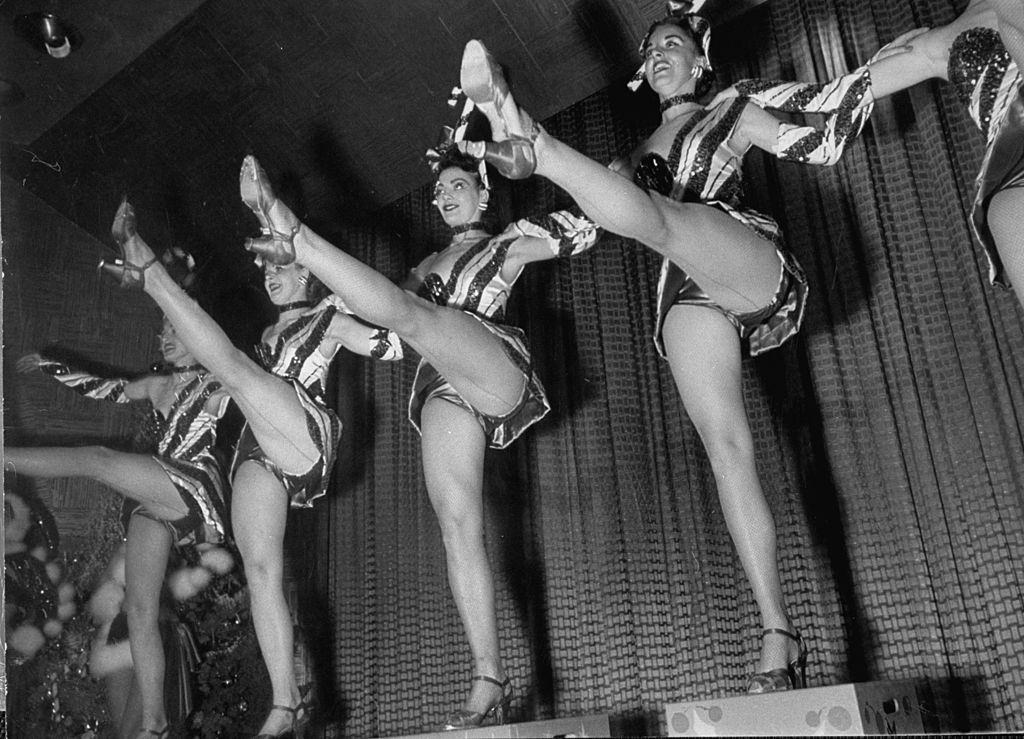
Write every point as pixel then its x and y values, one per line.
pixel 792 676
pixel 494 716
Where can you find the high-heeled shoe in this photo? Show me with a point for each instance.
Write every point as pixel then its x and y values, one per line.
pixel 129 276
pixel 494 716
pixel 792 676
pixel 511 152
pixel 293 731
pixel 274 246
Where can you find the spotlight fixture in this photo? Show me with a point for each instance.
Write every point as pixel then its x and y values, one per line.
pixel 56 37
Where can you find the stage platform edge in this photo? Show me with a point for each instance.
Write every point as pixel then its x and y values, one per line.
pixel 571 726
pixel 854 709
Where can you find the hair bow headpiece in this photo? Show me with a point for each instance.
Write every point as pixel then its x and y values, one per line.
pixel 450 136
pixel 684 13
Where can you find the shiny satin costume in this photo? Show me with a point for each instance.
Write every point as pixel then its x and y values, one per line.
pixel 184 448
pixel 296 357
pixel 987 82
pixel 474 285
pixel 703 167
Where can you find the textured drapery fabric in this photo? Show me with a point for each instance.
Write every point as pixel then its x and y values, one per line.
pixel 889 437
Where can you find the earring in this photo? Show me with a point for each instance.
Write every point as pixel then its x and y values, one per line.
pixel 697 71
pixel 482 205
pixel 303 279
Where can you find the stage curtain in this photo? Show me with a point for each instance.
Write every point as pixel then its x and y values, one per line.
pixel 888 435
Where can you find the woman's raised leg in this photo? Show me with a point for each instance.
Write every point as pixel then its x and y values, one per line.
pixel 135 476
pixel 267 402
pixel 146 550
pixel 259 512
pixel 469 356
pixel 729 261
pixel 453 465
pixel 704 353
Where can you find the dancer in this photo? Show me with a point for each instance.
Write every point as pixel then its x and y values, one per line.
pixel 980 53
pixel 475 386
pixel 727 285
pixel 178 492
pixel 287 447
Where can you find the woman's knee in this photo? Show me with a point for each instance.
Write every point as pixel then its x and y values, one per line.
pixel 141 610
pixel 459 526
pixel 727 444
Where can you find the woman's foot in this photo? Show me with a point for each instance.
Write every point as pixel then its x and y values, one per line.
pixel 488 703
pixel 514 158
pixel 277 223
pixel 482 81
pixel 136 256
pixel 281 721
pixel 783 664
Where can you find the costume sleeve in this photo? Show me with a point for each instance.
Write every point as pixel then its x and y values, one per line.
pixel 566 233
pixel 382 343
pixel 90 386
pixel 808 97
pixel 847 101
pixel 385 345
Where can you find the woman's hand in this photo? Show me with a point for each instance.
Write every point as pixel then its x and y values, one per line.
pixel 29 363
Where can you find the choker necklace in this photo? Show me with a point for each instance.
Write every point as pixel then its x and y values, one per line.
pixel 173 368
pixel 686 97
pixel 456 230
pixel 293 306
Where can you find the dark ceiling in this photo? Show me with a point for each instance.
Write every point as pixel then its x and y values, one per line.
pixel 339 99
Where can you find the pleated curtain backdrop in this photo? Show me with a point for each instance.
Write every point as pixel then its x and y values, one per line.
pixel 888 437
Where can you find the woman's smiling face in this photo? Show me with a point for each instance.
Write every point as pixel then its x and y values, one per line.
pixel 458 196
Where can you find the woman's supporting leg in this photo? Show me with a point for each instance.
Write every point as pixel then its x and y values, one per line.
pixel 149 543
pixel 469 356
pixel 704 353
pixel 267 402
pixel 259 512
pixel 1006 221
pixel 453 466
pixel 135 476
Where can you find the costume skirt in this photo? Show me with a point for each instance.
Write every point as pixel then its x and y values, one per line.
pixel 760 330
pixel 324 429
pixel 499 430
pixel 201 485
pixel 1002 169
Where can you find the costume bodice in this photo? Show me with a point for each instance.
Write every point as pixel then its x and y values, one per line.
pixel 296 353
pixel 985 77
pixel 189 430
pixel 469 277
pixel 703 164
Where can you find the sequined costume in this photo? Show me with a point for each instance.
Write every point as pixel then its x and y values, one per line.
pixel 473 283
pixel 296 357
pixel 988 83
pixel 702 166
pixel 183 449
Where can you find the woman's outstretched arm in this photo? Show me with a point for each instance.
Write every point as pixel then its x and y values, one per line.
pixel 114 390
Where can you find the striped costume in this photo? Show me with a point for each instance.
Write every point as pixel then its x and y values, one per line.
pixel 471 281
pixel 296 357
pixel 702 166
pixel 987 82
pixel 184 449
